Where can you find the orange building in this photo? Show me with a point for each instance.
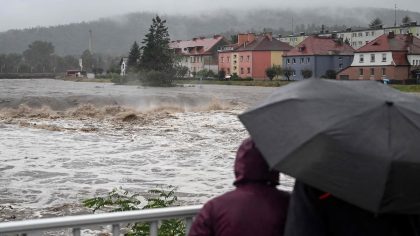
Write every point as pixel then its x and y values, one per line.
pixel 252 55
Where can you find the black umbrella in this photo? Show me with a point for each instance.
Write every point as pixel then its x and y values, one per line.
pixel 358 140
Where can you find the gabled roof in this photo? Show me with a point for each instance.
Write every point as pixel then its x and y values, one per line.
pixel 265 43
pixel 390 42
pixel 196 46
pixel 317 45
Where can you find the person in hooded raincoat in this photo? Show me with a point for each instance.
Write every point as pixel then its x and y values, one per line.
pixel 255 207
pixel 316 213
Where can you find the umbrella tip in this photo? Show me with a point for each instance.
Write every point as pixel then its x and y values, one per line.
pixel 389 103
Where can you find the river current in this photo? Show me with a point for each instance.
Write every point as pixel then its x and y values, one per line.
pixel 62 142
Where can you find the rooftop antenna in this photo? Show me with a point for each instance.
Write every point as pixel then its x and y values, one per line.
pixel 395 15
pixel 90 41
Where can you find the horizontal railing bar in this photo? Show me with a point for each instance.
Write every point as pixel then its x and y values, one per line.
pixel 147 215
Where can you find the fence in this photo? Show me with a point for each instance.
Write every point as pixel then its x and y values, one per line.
pixel 76 223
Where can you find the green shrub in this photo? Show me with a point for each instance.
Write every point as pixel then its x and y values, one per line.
pixel 156 78
pixel 121 200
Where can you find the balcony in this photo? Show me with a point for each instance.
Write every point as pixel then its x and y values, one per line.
pixel 116 219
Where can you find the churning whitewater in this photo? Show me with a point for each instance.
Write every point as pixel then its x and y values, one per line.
pixel 62 142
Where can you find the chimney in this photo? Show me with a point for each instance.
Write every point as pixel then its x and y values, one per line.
pixel 194 39
pixel 245 38
pixel 391 34
pixel 216 36
pixel 269 35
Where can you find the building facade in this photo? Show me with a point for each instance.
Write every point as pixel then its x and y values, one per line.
pixel 390 56
pixel 252 55
pixel 199 53
pixel 318 54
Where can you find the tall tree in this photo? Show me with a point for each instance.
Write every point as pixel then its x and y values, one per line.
pixel 39 55
pixel 406 20
pixel 156 54
pixel 134 55
pixel 376 23
pixel 87 60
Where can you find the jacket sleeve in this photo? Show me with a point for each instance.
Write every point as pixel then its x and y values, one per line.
pixel 202 225
pixel 304 216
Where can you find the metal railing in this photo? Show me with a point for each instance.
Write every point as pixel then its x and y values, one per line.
pixel 76 223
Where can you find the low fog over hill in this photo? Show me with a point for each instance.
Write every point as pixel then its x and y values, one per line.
pixel 115 35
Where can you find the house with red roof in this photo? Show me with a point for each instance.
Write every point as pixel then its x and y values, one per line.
pixel 318 54
pixel 199 53
pixel 390 56
pixel 252 55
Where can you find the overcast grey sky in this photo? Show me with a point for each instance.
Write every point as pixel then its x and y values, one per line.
pixel 17 14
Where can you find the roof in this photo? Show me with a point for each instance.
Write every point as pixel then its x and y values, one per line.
pixel 265 43
pixel 390 42
pixel 317 45
pixel 196 45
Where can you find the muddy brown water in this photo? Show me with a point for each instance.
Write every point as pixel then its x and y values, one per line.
pixel 62 142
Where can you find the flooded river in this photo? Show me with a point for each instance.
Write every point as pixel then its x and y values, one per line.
pixel 62 142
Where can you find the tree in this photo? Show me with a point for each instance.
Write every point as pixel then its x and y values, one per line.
pixel 278 69
pixel 87 60
pixel 306 73
pixel 222 75
pixel 406 20
pixel 134 55
pixel 330 74
pixel 287 72
pixel 156 54
pixel 39 54
pixel 270 72
pixel 376 23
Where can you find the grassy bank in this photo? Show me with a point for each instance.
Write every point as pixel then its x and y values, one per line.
pixel 412 88
pixel 264 83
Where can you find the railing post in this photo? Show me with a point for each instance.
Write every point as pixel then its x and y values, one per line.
pixel 76 232
pixel 116 229
pixel 188 223
pixel 153 228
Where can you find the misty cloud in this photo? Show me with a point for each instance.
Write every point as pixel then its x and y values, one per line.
pixel 19 14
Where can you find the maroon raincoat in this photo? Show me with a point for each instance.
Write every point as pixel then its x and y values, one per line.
pixel 255 207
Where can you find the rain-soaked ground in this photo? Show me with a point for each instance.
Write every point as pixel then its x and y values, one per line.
pixel 62 142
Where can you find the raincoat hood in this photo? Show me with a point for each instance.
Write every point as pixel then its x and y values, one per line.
pixel 250 166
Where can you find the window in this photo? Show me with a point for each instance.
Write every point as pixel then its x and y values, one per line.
pixel 228 70
pixel 221 59
pixel 372 57
pixel 186 59
pixel 383 57
pixel 241 58
pixel 361 71
pixel 340 66
pixel 361 58
pixel 354 35
pixel 367 33
pixel 294 60
pixel 249 70
pixel 301 60
pixel 340 59
pixel 293 73
pixel 247 58
pixel 287 61
pixel 242 70
pixel 228 59
pixel 360 43
pixel 372 33
pixel 234 68
pixel 372 71
pixel 360 34
pixel 234 56
pixel 383 71
pixel 413 63
pixel 307 60
pixel 354 44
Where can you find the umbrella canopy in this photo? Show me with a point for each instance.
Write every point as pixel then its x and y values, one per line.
pixel 358 140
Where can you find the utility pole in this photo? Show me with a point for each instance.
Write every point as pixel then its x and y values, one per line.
pixel 90 42
pixel 395 15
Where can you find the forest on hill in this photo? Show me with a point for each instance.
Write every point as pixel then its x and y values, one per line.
pixel 114 35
